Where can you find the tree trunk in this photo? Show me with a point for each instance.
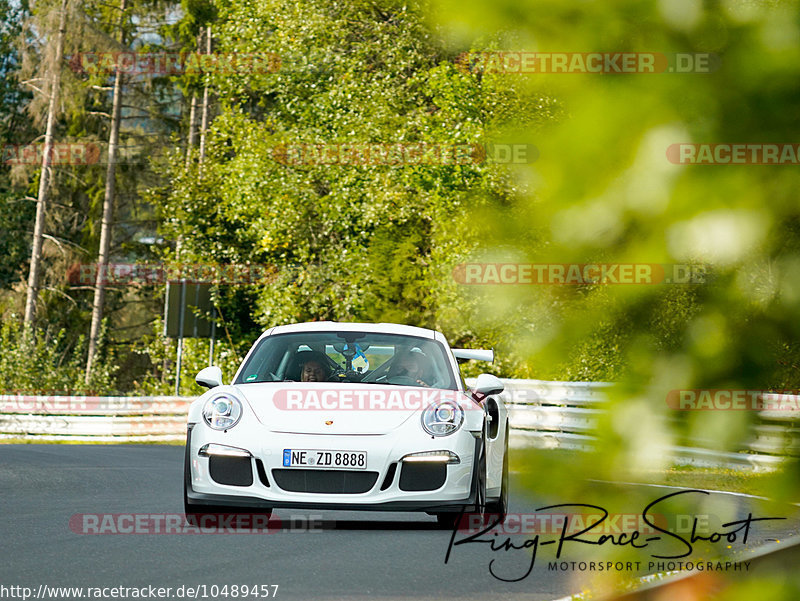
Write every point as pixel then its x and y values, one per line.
pixel 192 120
pixel 204 118
pixel 108 211
pixel 193 114
pixel 44 179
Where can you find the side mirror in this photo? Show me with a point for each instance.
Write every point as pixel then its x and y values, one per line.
pixel 487 384
pixel 209 377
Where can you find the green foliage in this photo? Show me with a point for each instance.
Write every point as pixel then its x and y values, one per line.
pixel 380 243
pixel 16 213
pixel 72 226
pixel 161 353
pixel 367 242
pixel 45 363
pixel 604 191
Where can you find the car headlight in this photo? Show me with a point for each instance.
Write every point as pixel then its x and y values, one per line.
pixel 222 411
pixel 442 418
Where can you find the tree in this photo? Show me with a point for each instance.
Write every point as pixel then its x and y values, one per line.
pixel 108 205
pixel 16 212
pixel 52 91
pixel 350 74
pixel 77 193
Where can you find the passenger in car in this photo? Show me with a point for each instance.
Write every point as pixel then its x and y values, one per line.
pixel 410 365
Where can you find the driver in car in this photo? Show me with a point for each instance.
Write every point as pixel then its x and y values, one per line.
pixel 313 367
pixel 409 365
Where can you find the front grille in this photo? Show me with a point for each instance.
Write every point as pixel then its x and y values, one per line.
pixel 325 481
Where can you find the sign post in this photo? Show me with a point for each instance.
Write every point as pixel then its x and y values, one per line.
pixel 185 310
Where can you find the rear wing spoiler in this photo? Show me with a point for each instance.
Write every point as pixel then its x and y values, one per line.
pixel 477 354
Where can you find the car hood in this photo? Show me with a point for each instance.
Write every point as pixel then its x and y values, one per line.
pixel 325 408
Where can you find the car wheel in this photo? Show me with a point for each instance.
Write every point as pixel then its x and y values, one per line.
pixel 498 509
pixel 480 502
pixel 479 509
pixel 194 513
pixel 449 520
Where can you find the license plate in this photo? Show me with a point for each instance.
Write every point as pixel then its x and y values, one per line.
pixel 351 460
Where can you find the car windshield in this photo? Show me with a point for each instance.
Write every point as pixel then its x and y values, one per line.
pixel 342 357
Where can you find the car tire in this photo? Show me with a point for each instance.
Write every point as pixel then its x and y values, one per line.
pixel 480 500
pixel 479 509
pixel 194 513
pixel 499 508
pixel 449 520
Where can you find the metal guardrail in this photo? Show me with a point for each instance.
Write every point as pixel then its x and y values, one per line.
pixel 93 418
pixel 543 414
pixel 564 415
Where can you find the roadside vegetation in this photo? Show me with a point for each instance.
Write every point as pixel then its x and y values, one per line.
pixel 353 240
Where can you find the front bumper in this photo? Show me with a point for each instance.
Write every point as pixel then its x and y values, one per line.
pixel 458 491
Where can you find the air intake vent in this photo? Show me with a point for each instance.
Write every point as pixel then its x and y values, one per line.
pixel 262 473
pixel 387 481
pixel 234 471
pixel 422 476
pixel 325 481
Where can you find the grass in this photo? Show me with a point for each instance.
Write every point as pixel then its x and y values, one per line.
pixel 742 481
pixel 568 472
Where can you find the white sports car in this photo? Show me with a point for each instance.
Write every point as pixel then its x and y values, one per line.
pixel 348 416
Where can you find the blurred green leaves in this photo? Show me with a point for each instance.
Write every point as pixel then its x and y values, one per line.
pixel 603 190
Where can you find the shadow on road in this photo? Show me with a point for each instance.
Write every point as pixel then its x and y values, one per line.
pixel 305 524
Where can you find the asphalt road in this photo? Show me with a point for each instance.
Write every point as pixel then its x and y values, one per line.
pixel 309 555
